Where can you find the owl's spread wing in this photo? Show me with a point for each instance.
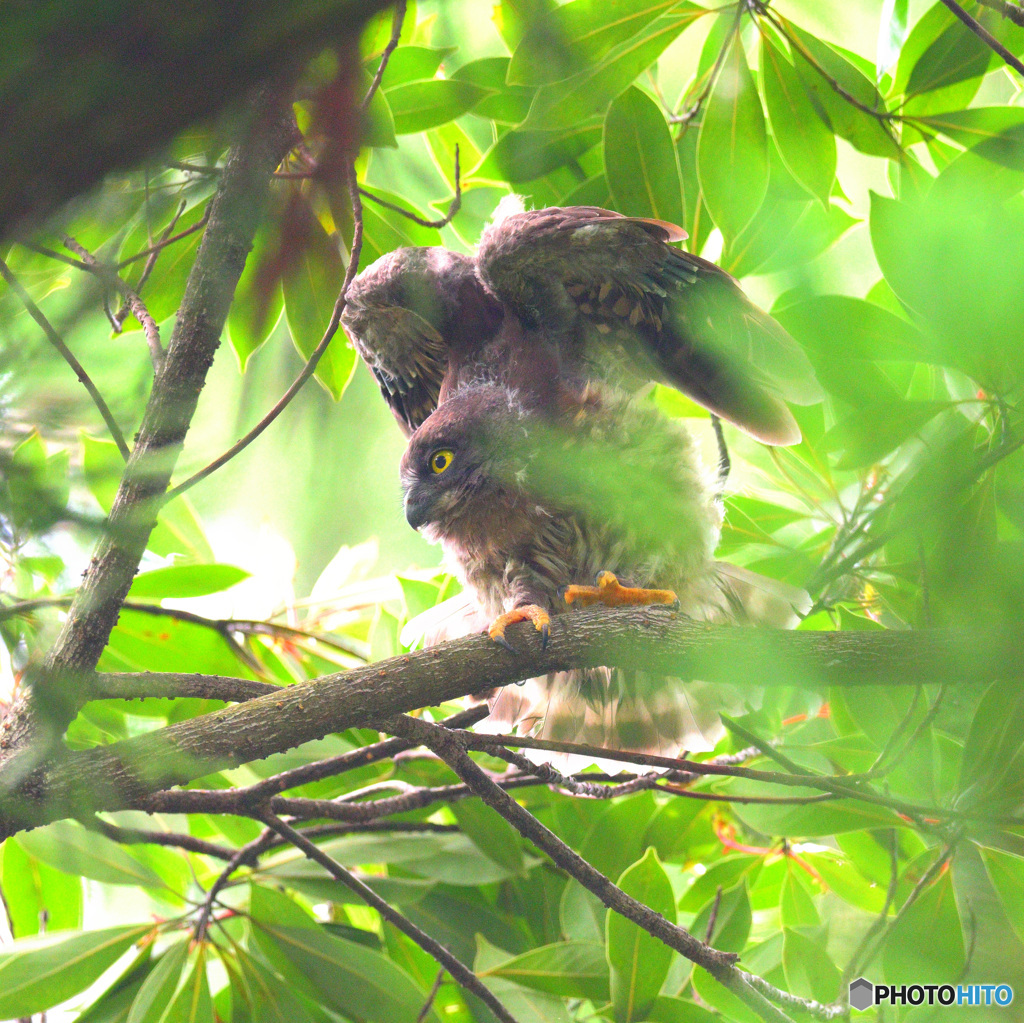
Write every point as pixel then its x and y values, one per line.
pixel 683 316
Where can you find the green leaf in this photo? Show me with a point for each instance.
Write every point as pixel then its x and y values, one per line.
pixel 640 159
pixel 892 31
pixel 820 64
pixel 417 106
pixel 955 56
pixel 589 91
pixel 186 581
pixel 992 767
pixel 491 834
pixel 37 973
pixel 258 303
pixel 797 906
pixel 192 1003
pixel 310 290
pixel 725 873
pixel 639 962
pixel 32 887
pixel 352 979
pixel 503 103
pixel 732 922
pixel 571 969
pixel 153 1001
pixel 732 150
pixel 378 123
pixel 720 997
pixel 270 999
pixel 1006 873
pixel 581 914
pixel 807 146
pixel 578 34
pixel 525 155
pixel 75 850
pixel 810 973
pixel 409 63
pixel 925 944
pixel 677 1010
pixel 38 484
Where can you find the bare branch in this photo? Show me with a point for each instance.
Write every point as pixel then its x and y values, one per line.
pixel 144 685
pixel 199 225
pixel 985 36
pixel 68 356
pixel 455 967
pixel 397 21
pixel 721 965
pixel 1007 9
pixel 112 279
pixel 441 221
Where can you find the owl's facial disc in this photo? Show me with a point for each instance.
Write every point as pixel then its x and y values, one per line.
pixel 431 483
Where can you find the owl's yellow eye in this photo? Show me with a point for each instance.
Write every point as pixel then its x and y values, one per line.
pixel 440 460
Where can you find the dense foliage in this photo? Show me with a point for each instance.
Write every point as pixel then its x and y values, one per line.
pixel 861 168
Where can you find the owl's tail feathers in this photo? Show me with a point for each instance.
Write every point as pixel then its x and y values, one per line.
pixel 753 599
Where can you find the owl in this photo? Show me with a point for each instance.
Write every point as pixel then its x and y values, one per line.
pixel 595 497
pixel 563 297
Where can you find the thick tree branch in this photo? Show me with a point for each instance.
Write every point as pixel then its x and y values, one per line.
pixel 234 214
pixel 126 773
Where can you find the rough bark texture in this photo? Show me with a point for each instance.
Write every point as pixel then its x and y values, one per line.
pixel 62 684
pixel 124 773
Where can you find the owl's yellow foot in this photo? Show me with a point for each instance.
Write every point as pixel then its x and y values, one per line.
pixel 529 612
pixel 611 593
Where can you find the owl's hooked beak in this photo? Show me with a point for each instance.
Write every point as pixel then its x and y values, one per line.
pixel 418 508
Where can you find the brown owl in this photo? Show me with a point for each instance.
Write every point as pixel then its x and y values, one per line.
pixel 532 501
pixel 563 297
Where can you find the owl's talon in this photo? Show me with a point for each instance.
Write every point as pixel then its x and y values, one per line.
pixel 610 592
pixel 529 612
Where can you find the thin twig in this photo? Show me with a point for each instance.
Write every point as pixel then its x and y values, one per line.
pixel 441 221
pixel 175 840
pixel 691 112
pixel 855 965
pixel 984 35
pixel 455 967
pixel 307 371
pixel 713 916
pixel 122 314
pixel 58 342
pixel 1007 9
pixel 164 242
pixel 721 965
pixel 428 1004
pixel 247 854
pixel 109 276
pixel 397 20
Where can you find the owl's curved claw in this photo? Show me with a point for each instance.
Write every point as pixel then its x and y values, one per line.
pixel 528 612
pixel 610 592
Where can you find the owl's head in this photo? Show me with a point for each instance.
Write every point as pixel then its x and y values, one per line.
pixel 466 454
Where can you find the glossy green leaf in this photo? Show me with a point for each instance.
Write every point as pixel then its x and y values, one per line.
pixel 1006 872
pixel 185 581
pixel 797 906
pixel 37 484
pixel 409 63
pixel 640 160
pixel 154 999
pixel 417 106
pixel 503 103
pixel 678 1010
pixel 926 942
pixel 810 973
pixel 40 972
pixel 807 146
pixel 311 288
pixel 819 64
pixel 525 155
pixel 75 850
pixel 639 962
pixel 270 999
pixel 588 92
pixel 32 887
pixel 721 998
pixel 955 56
pixel 578 34
pixel 892 31
pixel 732 921
pixel 571 969
pixel 258 303
pixel 732 151
pixel 992 768
pixel 492 835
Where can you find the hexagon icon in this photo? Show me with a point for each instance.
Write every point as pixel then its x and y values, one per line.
pixel 862 993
